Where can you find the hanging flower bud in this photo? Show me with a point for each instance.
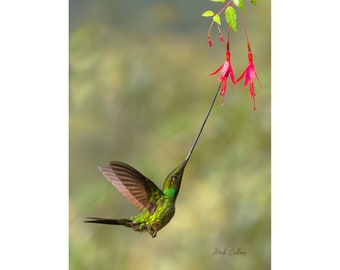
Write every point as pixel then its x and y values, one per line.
pixel 209 42
pixel 221 37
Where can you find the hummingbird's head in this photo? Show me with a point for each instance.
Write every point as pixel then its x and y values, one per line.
pixel 173 181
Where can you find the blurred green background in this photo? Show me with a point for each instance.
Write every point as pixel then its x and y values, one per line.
pixel 139 90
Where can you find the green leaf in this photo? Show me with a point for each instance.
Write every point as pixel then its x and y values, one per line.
pixel 217 19
pixel 208 13
pixel 239 3
pixel 222 1
pixel 230 17
pixel 253 2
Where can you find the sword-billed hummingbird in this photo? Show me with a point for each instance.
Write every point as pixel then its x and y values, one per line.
pixel 156 207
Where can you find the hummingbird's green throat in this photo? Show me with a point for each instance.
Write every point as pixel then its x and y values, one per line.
pixel 156 206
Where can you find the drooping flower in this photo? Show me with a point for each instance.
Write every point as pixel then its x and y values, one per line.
pixel 250 73
pixel 226 71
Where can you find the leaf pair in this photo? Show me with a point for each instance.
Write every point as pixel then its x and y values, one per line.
pixel 230 17
pixel 229 13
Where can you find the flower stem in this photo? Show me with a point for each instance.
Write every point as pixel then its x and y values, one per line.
pixel 246 33
pixel 225 6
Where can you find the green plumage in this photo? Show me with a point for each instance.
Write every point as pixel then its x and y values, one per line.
pixel 157 207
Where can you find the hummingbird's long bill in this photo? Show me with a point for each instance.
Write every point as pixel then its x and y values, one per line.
pixel 157 207
pixel 203 124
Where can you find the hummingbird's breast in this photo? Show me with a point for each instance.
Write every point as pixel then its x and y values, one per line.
pixel 163 214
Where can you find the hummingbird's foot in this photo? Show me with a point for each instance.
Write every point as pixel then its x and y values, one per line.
pixel 142 227
pixel 137 227
pixel 153 231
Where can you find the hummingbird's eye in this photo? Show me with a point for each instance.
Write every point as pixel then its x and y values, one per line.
pixel 175 177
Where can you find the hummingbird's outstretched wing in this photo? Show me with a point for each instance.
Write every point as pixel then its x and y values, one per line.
pixel 134 186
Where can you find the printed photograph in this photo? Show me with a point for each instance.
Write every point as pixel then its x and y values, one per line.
pixel 169 134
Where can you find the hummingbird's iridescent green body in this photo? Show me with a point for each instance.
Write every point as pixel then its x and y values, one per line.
pixel 165 204
pixel 157 207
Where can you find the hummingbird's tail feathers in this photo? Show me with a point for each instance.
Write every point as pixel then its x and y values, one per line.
pixel 136 226
pixel 123 221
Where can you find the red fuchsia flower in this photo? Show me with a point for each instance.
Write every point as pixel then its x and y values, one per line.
pixel 226 70
pixel 249 73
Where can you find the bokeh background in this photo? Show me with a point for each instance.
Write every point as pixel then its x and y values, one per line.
pixel 139 90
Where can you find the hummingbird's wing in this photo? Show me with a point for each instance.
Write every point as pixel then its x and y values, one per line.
pixel 134 186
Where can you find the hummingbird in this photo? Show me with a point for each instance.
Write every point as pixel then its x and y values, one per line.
pixel 156 206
